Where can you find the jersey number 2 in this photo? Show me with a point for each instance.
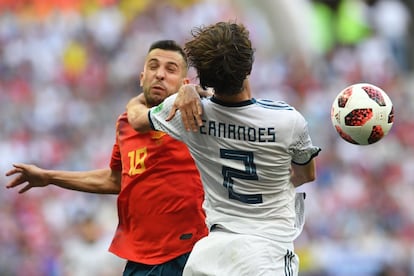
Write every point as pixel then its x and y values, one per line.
pixel 249 173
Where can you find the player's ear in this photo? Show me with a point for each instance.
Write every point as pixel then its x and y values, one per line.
pixel 186 81
pixel 141 77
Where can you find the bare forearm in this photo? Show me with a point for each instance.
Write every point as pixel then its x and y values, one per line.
pixel 137 114
pixel 298 181
pixel 302 174
pixel 102 181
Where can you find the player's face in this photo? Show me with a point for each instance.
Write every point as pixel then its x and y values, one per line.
pixel 164 73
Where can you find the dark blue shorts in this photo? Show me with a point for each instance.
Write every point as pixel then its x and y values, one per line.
pixel 173 267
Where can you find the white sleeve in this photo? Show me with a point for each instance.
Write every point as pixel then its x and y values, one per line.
pixel 157 115
pixel 302 149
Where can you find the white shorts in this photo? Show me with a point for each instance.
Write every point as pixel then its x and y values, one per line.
pixel 225 253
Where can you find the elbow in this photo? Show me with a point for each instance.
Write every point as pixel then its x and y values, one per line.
pixel 141 127
pixel 133 122
pixel 300 181
pixel 139 123
pixel 312 177
pixel 136 124
pixel 115 190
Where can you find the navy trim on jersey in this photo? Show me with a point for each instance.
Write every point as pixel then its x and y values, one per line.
pixel 239 104
pixel 150 121
pixel 280 105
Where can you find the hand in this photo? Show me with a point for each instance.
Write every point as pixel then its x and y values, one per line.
pixel 189 103
pixel 33 175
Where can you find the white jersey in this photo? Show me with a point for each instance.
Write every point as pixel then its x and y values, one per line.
pixel 244 154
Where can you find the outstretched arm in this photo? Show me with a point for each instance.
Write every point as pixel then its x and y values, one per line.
pixel 103 181
pixel 138 114
pixel 187 101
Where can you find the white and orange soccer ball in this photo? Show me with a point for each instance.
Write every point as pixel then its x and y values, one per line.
pixel 362 114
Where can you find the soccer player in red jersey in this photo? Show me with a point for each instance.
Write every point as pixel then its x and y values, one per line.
pixel 158 185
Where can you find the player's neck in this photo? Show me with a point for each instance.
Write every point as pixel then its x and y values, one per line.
pixel 244 95
pixel 240 97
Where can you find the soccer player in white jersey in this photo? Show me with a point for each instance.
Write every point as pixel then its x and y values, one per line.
pixel 251 155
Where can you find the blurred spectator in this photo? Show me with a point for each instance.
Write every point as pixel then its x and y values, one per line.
pixel 85 250
pixel 391 20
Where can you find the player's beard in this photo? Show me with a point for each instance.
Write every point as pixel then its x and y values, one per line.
pixel 153 99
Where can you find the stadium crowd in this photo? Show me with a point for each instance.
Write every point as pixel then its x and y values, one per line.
pixel 68 68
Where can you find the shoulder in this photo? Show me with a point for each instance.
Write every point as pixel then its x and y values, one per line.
pixel 284 110
pixel 121 120
pixel 122 117
pixel 272 104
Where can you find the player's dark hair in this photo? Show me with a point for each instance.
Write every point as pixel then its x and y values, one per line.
pixel 169 45
pixel 222 55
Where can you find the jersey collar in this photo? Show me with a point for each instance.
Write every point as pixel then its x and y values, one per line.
pixel 239 104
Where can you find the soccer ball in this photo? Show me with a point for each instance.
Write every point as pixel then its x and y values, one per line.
pixel 362 114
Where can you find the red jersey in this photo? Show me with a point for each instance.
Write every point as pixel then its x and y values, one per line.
pixel 160 203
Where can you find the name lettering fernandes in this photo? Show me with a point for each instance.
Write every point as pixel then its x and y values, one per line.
pixel 238 132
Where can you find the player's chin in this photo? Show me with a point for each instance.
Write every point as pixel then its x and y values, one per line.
pixel 157 99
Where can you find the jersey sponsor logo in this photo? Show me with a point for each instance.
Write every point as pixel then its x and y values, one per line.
pixel 158 108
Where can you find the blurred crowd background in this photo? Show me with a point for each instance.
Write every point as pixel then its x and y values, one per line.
pixel 68 68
